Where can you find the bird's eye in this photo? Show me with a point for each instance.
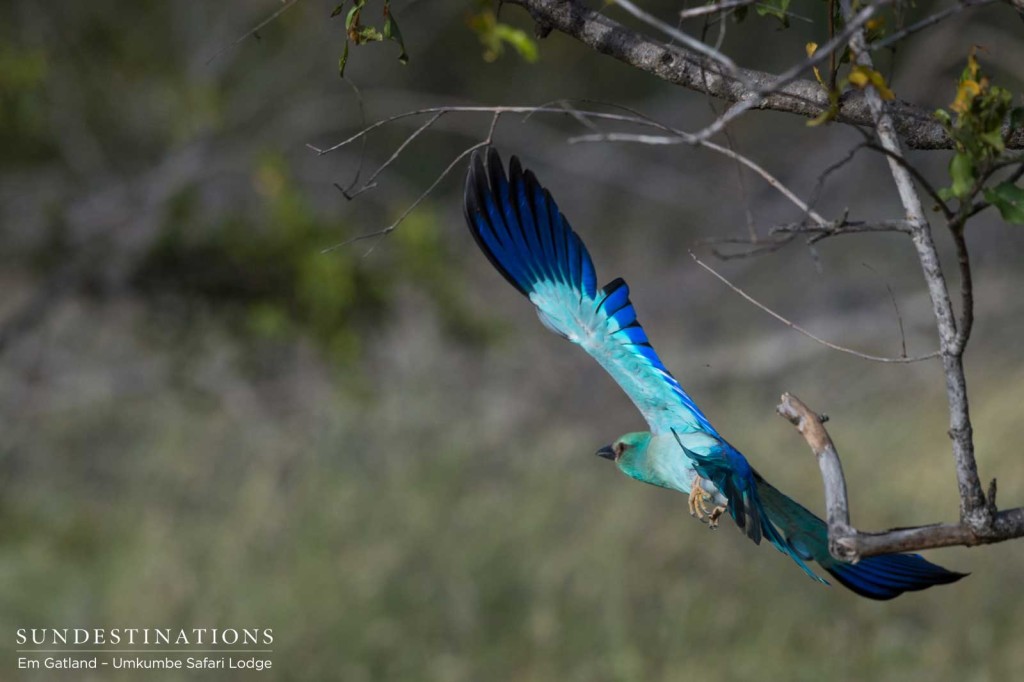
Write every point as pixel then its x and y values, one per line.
pixel 619 448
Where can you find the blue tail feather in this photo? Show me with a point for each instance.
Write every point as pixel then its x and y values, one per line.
pixel 878 577
pixel 890 575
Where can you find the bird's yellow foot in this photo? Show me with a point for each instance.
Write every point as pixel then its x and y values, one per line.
pixel 699 499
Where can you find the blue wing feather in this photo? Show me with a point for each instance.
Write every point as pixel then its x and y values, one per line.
pixel 518 226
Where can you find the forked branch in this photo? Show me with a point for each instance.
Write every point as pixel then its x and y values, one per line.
pixel 845 542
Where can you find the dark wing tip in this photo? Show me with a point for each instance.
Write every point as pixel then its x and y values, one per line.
pixel 481 184
pixel 515 169
pixel 495 172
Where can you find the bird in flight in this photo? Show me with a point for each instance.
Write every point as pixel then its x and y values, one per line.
pixel 518 226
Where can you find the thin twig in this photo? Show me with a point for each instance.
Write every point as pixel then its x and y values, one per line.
pixel 921 180
pixel 819 186
pixel 254 30
pixel 370 184
pixel 798 328
pixel 714 9
pixel 853 26
pixel 895 307
pixel 840 227
pixel 676 34
pixel 926 22
pixel 635 118
pixel 683 138
pixel 382 233
pixel 472 109
pixel 362 144
pixel 963 258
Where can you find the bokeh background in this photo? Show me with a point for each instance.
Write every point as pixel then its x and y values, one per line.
pixel 208 422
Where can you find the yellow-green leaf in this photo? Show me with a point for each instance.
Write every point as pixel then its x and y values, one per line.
pixel 961 172
pixel 862 76
pixel 811 48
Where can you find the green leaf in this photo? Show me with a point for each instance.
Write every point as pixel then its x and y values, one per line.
pixel 337 10
pixel 776 8
pixel 961 171
pixel 994 139
pixel 342 60
pixel 1009 199
pixel 352 19
pixel 391 32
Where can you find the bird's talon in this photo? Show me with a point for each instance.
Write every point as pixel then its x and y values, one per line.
pixel 698 500
pixel 716 514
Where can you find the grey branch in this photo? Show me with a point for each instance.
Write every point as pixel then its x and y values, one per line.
pixel 846 543
pixel 674 33
pixel 840 227
pixel 973 508
pixel 675 64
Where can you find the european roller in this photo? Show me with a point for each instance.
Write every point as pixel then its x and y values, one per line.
pixel 520 229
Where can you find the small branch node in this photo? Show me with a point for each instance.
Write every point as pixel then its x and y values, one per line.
pixel 844 547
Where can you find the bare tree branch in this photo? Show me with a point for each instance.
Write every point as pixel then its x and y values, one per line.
pixel 846 543
pixel 384 232
pixel 798 328
pixel 681 138
pixel 897 37
pixel 254 31
pixel 754 99
pixel 673 136
pixel 722 6
pixel 915 125
pixel 973 508
pixel 966 322
pixel 811 427
pixel 673 32
pixel 840 227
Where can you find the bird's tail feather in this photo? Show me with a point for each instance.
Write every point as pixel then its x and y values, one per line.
pixel 890 575
pixel 878 577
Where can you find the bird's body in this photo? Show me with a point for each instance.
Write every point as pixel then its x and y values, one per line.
pixel 662 466
pixel 519 228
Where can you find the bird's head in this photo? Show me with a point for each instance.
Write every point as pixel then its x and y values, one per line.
pixel 627 451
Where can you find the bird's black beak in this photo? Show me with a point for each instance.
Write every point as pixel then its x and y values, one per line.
pixel 607 452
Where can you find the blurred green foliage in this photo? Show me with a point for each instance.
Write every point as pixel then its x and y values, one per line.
pixel 272 270
pixel 276 274
pixel 23 125
pixel 495 34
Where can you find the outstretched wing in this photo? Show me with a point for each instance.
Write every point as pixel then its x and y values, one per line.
pixel 521 231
